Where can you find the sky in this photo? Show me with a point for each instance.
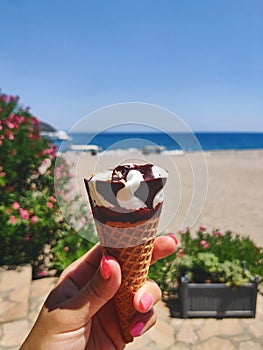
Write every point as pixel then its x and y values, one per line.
pixel 200 59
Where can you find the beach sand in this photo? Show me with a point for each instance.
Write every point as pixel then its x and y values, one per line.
pixel 219 190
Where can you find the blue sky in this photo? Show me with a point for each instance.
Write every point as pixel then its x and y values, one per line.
pixel 201 59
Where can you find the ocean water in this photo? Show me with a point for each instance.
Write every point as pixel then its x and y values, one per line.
pixel 206 141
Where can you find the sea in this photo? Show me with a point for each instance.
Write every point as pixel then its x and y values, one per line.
pixel 187 142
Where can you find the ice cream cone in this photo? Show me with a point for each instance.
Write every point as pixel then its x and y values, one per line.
pixel 126 204
pixel 134 261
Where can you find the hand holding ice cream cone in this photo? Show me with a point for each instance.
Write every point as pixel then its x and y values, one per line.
pixel 80 311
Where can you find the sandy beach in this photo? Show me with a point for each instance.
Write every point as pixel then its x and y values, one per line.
pixel 219 190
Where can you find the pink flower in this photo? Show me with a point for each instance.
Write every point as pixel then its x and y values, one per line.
pixel 5 98
pixel 13 219
pixel 180 253
pixel 202 228
pixel 3 174
pixel 52 199
pixel 66 249
pixel 35 121
pixel 44 166
pixel 34 219
pixel 49 205
pixel 204 244
pixel 185 230
pixel 217 233
pixel 20 119
pixel 57 172
pixel 47 151
pixel 51 151
pixel 10 125
pixel 27 237
pixel 11 137
pixel 16 205
pixel 42 273
pixel 24 214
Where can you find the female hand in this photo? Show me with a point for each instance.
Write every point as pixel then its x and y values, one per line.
pixel 79 313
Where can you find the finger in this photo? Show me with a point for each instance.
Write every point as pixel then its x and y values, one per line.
pixel 163 247
pixel 98 291
pixel 74 277
pixel 142 322
pixel 81 270
pixel 147 296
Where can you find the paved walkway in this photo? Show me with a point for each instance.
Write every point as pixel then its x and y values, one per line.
pixel 21 300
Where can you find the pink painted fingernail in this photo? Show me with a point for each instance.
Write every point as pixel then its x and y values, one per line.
pixel 173 237
pixel 146 302
pixel 136 330
pixel 105 269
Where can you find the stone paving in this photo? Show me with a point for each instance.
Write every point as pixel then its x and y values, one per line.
pixel 21 300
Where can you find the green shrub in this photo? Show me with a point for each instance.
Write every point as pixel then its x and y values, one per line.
pixel 211 257
pixel 28 205
pixel 30 217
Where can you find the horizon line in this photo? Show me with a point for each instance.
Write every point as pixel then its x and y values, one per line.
pixel 161 131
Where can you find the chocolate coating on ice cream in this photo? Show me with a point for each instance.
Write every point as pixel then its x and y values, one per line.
pixel 127 193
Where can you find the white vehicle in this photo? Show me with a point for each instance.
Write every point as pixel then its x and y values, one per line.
pixel 153 149
pixel 93 149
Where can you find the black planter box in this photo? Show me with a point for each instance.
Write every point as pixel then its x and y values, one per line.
pixel 217 300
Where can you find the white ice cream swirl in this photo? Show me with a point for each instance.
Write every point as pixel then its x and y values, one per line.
pixel 128 186
pixel 125 196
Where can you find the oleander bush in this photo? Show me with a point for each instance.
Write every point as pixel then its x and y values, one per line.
pixel 211 257
pixel 30 218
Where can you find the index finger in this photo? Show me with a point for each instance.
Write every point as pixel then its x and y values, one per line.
pixel 82 269
pixel 163 247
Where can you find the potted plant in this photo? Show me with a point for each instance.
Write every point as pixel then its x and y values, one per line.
pixel 215 274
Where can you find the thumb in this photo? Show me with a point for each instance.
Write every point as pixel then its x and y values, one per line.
pixel 99 290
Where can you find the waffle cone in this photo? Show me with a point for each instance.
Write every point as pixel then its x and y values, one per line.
pixel 132 247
